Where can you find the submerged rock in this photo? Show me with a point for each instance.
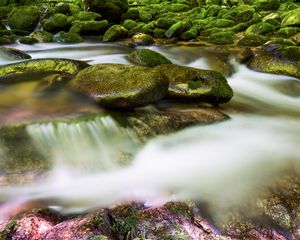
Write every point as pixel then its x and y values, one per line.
pixel 148 58
pixel 121 86
pixel 13 54
pixel 195 84
pixel 277 59
pixel 46 64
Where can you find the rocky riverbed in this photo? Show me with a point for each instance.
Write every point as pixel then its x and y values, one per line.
pixel 149 119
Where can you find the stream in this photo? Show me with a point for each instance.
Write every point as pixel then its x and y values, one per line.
pixel 222 163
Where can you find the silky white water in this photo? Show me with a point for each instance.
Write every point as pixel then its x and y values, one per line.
pixel 220 163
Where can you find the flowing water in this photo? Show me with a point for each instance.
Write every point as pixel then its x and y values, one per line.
pixel 220 163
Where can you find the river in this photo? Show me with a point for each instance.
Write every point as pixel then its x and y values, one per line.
pixel 221 163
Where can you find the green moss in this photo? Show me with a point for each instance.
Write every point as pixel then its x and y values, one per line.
pixel 221 38
pixel 287 31
pixel 142 39
pixel 148 58
pixel 42 36
pixel 87 16
pixel 57 22
pixel 24 18
pixel 28 40
pixel 114 33
pixel 175 29
pixel 98 237
pixel 38 65
pixel 89 27
pixel 129 24
pixel 127 222
pixel 165 23
pixel 67 37
pixel 266 5
pixel 253 40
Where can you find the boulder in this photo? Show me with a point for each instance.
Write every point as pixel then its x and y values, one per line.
pixel 114 33
pixel 121 86
pixel 46 64
pixel 186 83
pixel 148 58
pixel 24 18
pixel 111 10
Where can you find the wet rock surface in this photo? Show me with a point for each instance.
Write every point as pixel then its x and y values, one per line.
pixel 121 86
pixel 195 84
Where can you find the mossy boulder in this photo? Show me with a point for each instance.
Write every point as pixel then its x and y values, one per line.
pixel 111 10
pixel 148 58
pixel 24 18
pixel 291 18
pixel 42 36
pixel 253 40
pixel 62 7
pixel 165 23
pixel 47 65
pixel 189 34
pixel 222 37
pixel 57 22
pixel 67 37
pixel 28 40
pixel 176 29
pixel 121 86
pixel 114 33
pixel 129 24
pixel 142 39
pixel 239 14
pixel 186 83
pixel 266 5
pixel 87 16
pixel 261 28
pixel 277 59
pixel 89 27
pixel 13 54
pixel 287 31
pixel 145 16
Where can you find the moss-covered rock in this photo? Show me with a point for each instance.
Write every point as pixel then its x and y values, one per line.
pixel 24 18
pixel 165 23
pixel 189 34
pixel 253 40
pixel 28 40
pixel 142 39
pixel 62 7
pixel 148 58
pixel 221 38
pixel 239 14
pixel 67 37
pixel 287 31
pixel 265 5
pixel 278 60
pixel 195 84
pixel 111 10
pixel 114 33
pixel 87 16
pixel 42 36
pixel 291 18
pixel 129 24
pixel 13 54
pixel 121 86
pixel 176 29
pixel 145 16
pixel 57 22
pixel 261 28
pixel 89 27
pixel 48 65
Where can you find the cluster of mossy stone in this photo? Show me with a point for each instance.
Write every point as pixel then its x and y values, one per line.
pixel 246 22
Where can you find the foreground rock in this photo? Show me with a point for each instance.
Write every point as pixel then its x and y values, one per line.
pixel 187 83
pixel 47 64
pixel 277 59
pixel 121 86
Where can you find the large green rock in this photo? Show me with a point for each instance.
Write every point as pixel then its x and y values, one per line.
pixel 261 28
pixel 114 33
pixel 291 18
pixel 13 54
pixel 239 14
pixel 148 58
pixel 24 18
pixel 186 83
pixel 89 27
pixel 222 37
pixel 47 64
pixel 265 5
pixel 111 10
pixel 278 60
pixel 42 36
pixel 121 86
pixel 67 37
pixel 57 22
